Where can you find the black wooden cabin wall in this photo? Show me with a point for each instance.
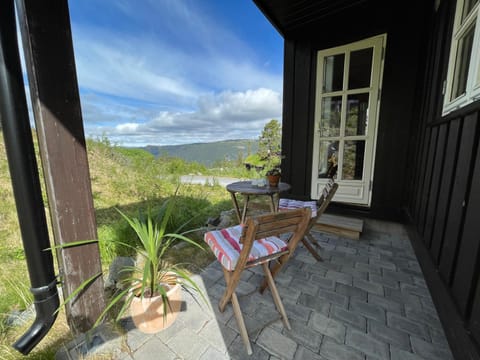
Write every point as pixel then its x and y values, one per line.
pixel 444 195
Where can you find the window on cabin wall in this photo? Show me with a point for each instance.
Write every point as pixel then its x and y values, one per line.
pixel 463 80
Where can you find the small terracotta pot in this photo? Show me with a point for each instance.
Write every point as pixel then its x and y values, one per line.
pixel 147 313
pixel 273 180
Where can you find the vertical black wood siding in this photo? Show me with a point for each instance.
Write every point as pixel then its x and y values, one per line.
pixel 444 197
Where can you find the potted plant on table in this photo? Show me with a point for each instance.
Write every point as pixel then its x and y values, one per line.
pixel 151 289
pixel 273 176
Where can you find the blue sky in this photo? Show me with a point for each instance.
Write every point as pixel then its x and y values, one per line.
pixel 164 72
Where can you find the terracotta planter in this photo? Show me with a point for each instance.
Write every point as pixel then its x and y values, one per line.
pixel 273 180
pixel 147 313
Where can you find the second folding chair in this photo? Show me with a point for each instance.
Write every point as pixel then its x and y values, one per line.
pixel 318 208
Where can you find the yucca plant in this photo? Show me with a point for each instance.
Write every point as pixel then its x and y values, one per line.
pixel 152 274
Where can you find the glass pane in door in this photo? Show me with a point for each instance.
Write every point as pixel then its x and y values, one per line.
pixel 328 158
pixel 353 158
pixel 360 69
pixel 333 73
pixel 357 114
pixel 330 116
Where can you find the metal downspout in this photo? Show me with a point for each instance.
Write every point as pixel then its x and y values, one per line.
pixel 25 182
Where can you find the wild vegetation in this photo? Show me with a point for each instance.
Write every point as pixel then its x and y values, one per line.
pixel 130 180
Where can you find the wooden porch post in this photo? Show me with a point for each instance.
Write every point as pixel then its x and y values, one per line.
pixel 47 41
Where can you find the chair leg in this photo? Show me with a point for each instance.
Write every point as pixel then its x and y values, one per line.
pixel 231 283
pixel 310 248
pixel 241 323
pixel 230 295
pixel 275 295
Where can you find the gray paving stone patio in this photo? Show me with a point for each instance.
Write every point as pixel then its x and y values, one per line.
pixel 367 300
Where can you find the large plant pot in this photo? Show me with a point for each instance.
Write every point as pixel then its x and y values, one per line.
pixel 147 313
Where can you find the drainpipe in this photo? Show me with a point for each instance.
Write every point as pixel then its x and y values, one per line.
pixel 25 182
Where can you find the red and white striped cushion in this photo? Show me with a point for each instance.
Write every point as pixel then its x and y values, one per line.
pixel 225 244
pixel 290 204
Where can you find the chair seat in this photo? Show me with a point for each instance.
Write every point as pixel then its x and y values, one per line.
pixel 225 244
pixel 290 204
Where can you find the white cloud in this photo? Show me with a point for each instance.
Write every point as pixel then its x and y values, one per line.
pixel 228 115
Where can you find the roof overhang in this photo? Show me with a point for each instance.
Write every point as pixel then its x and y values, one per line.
pixel 290 16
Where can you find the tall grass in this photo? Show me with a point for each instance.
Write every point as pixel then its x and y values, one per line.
pixel 127 179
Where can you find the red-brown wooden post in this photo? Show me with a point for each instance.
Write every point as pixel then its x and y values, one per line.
pixel 47 42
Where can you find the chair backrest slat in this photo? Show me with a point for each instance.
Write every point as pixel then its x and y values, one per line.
pixel 275 224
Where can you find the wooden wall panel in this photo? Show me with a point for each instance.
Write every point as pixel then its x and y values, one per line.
pixel 445 191
pixel 420 175
pixel 466 271
pixel 457 202
pixel 427 181
pixel 435 185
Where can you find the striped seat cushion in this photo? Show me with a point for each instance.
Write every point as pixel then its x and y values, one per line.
pixel 225 244
pixel 290 204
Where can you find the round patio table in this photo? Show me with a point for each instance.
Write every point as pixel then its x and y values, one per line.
pixel 247 189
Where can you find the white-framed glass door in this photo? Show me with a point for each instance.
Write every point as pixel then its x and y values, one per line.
pixel 346 117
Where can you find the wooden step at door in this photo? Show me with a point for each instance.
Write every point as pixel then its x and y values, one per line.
pixel 339 225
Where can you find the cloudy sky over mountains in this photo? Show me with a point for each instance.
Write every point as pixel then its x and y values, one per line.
pixel 176 71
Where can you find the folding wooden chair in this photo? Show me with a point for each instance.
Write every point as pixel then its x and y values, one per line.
pixel 257 242
pixel 318 208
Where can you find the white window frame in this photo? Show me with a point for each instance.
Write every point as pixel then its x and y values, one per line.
pixel 472 90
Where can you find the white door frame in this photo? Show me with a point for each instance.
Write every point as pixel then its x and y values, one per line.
pixel 357 192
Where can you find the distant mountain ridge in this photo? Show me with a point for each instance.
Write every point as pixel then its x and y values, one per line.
pixel 207 153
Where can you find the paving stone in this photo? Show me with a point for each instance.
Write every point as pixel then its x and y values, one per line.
pixel 368 286
pixel 315 269
pixel 370 311
pixel 399 354
pixel 354 272
pixel 384 281
pixel 333 297
pixel 416 290
pixel 256 322
pixel 339 277
pixel 383 264
pixel 211 275
pixel 277 344
pixel 323 282
pixel 391 336
pixel 366 344
pixel 427 318
pixel 329 327
pixel 428 350
pixel 151 349
pixel 349 317
pixel 297 311
pixel 397 276
pixel 135 338
pixel 187 344
pixel 409 326
pixel 218 335
pixel 387 304
pixel 305 354
pixel 222 317
pixel 438 337
pixel 346 249
pixel 405 298
pixel 238 351
pixel 333 351
pixel 303 286
pixel 351 292
pixel 304 335
pixel 314 303
pixel 343 260
pixel 296 273
pixel 212 354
